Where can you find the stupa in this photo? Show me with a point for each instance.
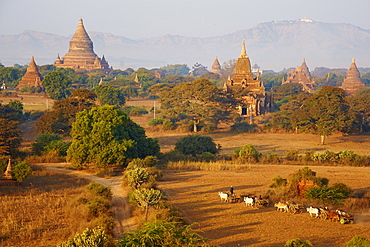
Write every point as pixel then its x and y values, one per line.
pixel 81 53
pixel 353 80
pixel 7 178
pixel 302 76
pixel 32 78
pixel 216 67
pixel 254 99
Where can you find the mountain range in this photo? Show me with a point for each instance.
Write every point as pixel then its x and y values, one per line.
pixel 272 45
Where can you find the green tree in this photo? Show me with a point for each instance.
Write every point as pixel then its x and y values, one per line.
pixel 329 112
pixel 106 135
pixel 42 141
pixel 57 84
pixel 162 234
pixel 108 95
pixel 146 198
pixel 199 101
pixel 136 177
pixel 176 69
pixel 196 144
pixel 11 76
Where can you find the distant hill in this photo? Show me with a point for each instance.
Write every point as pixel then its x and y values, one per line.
pixel 273 45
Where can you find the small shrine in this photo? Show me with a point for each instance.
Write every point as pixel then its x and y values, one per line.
pixel 7 179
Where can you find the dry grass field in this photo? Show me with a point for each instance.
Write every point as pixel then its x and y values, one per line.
pixel 195 195
pixel 31 102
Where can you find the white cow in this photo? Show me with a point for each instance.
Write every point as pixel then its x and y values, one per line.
pixel 281 206
pixel 311 210
pixel 223 196
pixel 248 201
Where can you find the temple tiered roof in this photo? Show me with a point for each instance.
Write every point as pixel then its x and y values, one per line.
pixel 32 78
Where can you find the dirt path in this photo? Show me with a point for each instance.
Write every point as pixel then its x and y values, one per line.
pixel 121 208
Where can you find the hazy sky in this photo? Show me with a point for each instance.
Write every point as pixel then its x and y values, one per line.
pixel 149 18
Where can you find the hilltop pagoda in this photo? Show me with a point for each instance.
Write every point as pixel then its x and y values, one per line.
pixel 81 54
pixel 302 76
pixel 353 80
pixel 250 90
pixel 32 78
pixel 216 67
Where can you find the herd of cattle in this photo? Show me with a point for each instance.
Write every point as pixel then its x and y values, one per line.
pixel 317 212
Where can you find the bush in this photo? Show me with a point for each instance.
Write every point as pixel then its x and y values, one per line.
pixel 89 238
pixel 196 144
pixel 134 111
pixel 21 171
pixel 292 155
pixel 297 243
pixel 156 121
pixel 168 125
pixel 42 141
pixel 247 153
pixel 100 190
pixel 278 182
pixel 326 194
pixel 358 241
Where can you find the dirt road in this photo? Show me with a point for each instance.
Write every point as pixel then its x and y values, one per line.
pixel 121 210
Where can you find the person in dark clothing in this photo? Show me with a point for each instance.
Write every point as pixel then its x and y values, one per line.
pixel 231 190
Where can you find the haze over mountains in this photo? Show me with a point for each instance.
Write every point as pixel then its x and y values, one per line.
pixel 273 45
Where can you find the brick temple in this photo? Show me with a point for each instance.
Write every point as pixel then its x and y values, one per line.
pixel 302 76
pixel 353 80
pixel 32 78
pixel 255 101
pixel 81 53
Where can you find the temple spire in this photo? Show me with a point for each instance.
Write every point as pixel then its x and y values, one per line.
pixel 243 53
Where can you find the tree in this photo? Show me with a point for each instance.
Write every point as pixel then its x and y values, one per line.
pixel 358 241
pixel 136 177
pixel 297 243
pixel 106 135
pixel 199 101
pixel 329 112
pixel 42 141
pixel 247 153
pixel 176 69
pixel 63 114
pixel 108 95
pixel 196 144
pixel 57 84
pixel 10 76
pixel 9 133
pixel 360 104
pixel 146 198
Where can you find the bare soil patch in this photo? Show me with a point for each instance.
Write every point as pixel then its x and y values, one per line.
pixel 195 195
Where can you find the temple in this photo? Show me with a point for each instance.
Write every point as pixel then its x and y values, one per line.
pixel 32 78
pixel 216 67
pixel 302 76
pixel 353 80
pixel 251 91
pixel 81 54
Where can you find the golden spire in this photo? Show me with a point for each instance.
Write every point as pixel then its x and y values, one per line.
pixel 243 53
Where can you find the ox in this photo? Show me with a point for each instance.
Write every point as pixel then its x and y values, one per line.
pixel 311 210
pixel 248 201
pixel 223 196
pixel 333 216
pixel 281 206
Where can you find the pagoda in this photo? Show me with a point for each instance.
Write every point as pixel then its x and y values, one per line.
pixel 32 78
pixel 353 80
pixel 250 89
pixel 302 76
pixel 216 67
pixel 81 54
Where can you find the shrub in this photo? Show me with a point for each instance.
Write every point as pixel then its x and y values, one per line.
pixel 247 153
pixel 156 121
pixel 297 243
pixel 162 233
pixel 278 182
pixel 134 111
pixel 292 155
pixel 326 194
pixel 242 127
pixel 136 177
pixel 21 171
pixel 98 206
pixel 89 238
pixel 196 144
pixel 100 190
pixel 168 125
pixel 42 141
pixel 358 241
